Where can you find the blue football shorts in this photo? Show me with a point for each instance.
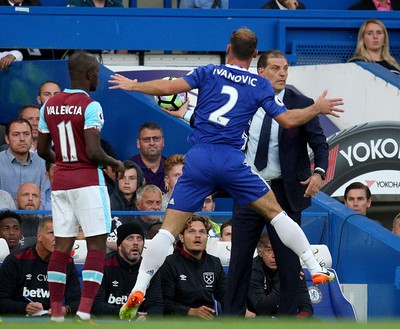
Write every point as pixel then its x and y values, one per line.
pixel 212 167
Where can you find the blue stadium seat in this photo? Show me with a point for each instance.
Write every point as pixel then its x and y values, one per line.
pixel 328 300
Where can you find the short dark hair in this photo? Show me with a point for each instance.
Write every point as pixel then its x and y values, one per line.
pixel 24 107
pixel 17 120
pixel 224 225
pixel 149 125
pixel 358 186
pixel 263 59
pixel 10 214
pixel 48 81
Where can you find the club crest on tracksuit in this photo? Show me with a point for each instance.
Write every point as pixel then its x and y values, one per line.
pixel 208 278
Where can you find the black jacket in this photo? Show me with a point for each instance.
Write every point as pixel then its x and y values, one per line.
pixel 191 283
pixel 118 281
pixel 23 276
pixel 264 286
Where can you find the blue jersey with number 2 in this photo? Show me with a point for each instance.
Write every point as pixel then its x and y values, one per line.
pixel 228 98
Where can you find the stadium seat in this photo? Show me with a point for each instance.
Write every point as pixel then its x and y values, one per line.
pixel 328 300
pixel 4 250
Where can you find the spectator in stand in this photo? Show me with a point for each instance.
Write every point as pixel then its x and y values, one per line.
pixel 264 288
pixel 396 225
pixel 29 112
pixel 46 195
pixel 150 143
pixel 8 57
pixel 6 201
pixel 190 278
pixel 380 5
pixel 28 198
pixel 226 231
pixel 358 197
pixel 10 229
pixel 24 289
pixel 204 4
pixel 173 170
pixel 284 5
pixel 47 90
pixel 108 172
pixel 120 273
pixel 373 46
pixel 19 165
pixel 20 3
pixel 148 198
pixel 123 198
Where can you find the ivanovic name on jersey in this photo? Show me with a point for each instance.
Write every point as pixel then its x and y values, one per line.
pixel 64 109
pixel 246 79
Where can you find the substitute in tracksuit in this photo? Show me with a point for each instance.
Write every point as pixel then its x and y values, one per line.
pixel 23 278
pixel 120 274
pixel 192 279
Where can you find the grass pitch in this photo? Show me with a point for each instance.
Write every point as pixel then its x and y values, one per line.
pixel 189 323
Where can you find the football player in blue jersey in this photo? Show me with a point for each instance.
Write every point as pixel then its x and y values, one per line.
pixel 228 97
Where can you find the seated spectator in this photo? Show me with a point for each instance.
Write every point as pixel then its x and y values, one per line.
pixel 122 267
pixel 28 198
pixel 6 201
pixel 209 206
pixel 148 198
pixel 226 231
pixel 47 90
pixel 284 5
pixel 358 197
pixel 31 113
pixel 24 289
pixel 204 4
pixel 373 46
pixel 173 170
pixel 381 5
pixel 396 225
pixel 10 229
pixel 150 143
pixel 263 294
pixel 124 196
pixel 190 278
pixel 19 165
pixel 20 3
pixel 46 195
pixel 8 57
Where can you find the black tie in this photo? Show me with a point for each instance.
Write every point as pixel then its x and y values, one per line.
pixel 261 158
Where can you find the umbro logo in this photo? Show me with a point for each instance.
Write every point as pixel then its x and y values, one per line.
pixel 28 276
pixel 115 283
pixel 183 277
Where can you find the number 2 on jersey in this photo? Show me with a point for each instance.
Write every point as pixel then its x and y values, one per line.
pixel 67 136
pixel 217 116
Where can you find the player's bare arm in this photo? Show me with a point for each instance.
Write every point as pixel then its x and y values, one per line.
pixel 154 87
pixel 323 105
pixel 44 149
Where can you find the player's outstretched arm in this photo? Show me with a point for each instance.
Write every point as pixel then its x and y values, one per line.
pixel 154 87
pixel 323 105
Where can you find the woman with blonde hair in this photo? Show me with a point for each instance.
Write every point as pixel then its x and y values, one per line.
pixel 373 45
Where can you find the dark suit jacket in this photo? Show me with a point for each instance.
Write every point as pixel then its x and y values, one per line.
pixel 293 152
pixel 25 3
pixel 272 5
pixel 369 5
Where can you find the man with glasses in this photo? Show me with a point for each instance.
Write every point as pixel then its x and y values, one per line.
pixel 150 143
